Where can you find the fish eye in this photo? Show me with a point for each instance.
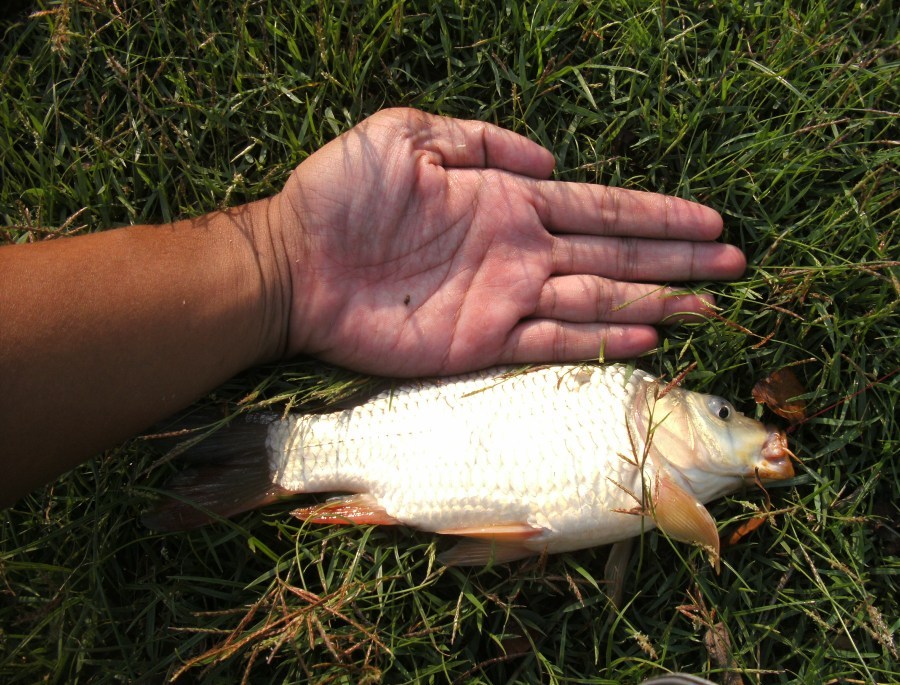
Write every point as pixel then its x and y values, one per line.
pixel 721 408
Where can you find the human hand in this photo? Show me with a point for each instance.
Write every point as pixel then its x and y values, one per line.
pixel 421 245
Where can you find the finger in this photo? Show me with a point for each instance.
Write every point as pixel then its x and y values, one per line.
pixel 599 210
pixel 590 299
pixel 465 143
pixel 542 340
pixel 636 259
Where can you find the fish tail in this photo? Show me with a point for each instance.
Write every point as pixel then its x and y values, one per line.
pixel 230 475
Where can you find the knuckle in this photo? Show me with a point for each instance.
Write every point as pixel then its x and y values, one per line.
pixel 667 215
pixel 548 300
pixel 627 258
pixel 602 299
pixel 560 343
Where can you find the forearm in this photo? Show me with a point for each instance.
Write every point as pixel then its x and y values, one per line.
pixel 102 335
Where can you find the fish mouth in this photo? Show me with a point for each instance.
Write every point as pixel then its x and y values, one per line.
pixel 776 463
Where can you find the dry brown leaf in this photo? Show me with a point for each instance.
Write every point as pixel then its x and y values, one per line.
pixel 779 391
pixel 746 528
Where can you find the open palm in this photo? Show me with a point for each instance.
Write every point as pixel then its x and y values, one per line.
pixel 424 245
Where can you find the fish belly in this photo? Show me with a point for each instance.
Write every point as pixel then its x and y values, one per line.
pixel 547 447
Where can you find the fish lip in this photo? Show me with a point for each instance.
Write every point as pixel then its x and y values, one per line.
pixel 776 458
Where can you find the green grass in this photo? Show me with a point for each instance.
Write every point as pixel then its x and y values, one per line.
pixel 783 116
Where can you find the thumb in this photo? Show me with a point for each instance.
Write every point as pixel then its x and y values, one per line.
pixel 474 144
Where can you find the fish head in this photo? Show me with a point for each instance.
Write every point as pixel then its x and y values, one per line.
pixel 709 442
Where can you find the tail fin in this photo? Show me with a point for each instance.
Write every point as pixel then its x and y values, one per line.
pixel 230 475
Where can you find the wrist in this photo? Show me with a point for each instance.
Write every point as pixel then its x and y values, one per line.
pixel 262 274
pixel 301 292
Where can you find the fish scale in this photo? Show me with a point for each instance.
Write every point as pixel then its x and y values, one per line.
pixel 543 447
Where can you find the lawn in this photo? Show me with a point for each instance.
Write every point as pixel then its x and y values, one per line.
pixel 782 116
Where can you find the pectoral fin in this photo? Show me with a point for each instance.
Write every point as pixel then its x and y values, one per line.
pixel 353 509
pixel 680 515
pixel 614 571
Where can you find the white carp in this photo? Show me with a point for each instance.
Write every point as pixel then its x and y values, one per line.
pixel 518 463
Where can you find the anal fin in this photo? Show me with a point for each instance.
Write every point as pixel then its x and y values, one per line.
pixel 361 509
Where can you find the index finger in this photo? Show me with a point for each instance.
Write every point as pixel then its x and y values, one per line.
pixel 600 210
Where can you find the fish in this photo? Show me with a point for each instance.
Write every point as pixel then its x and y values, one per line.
pixel 513 462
